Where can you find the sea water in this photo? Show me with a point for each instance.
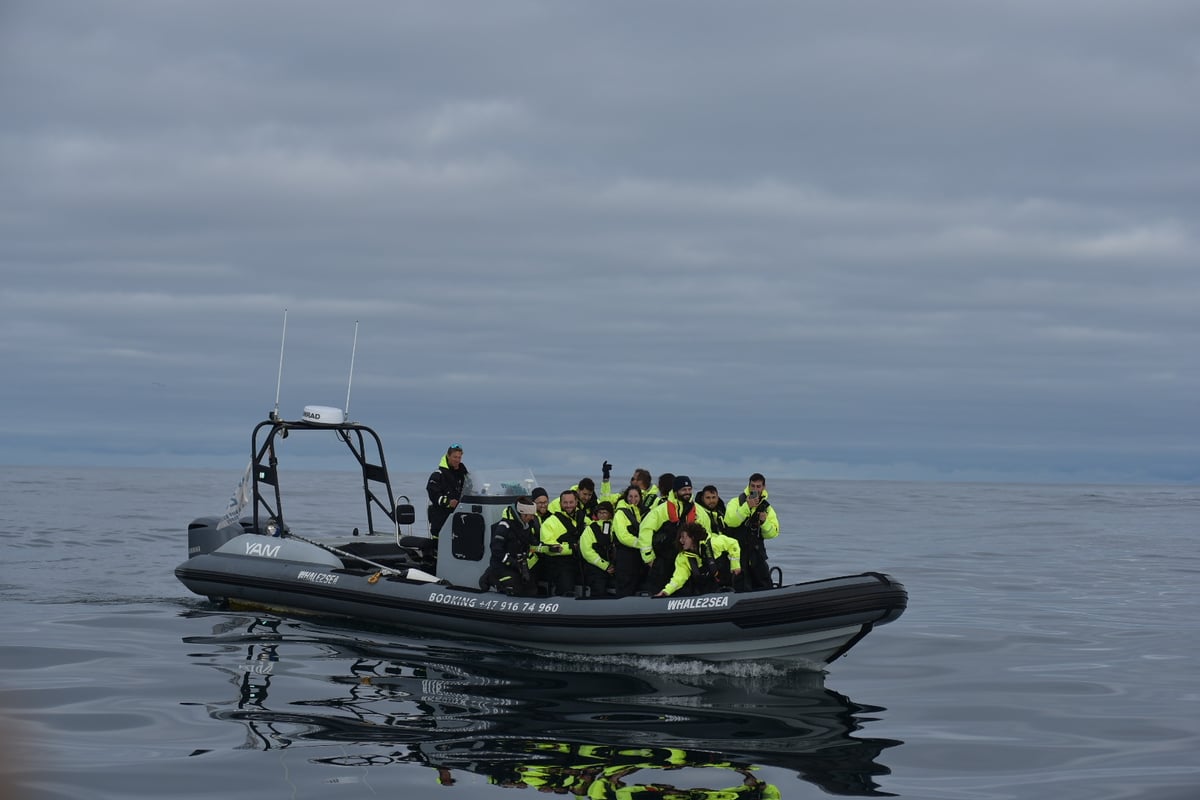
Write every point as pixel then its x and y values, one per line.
pixel 1049 651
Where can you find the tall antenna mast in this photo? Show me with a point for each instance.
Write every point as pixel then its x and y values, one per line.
pixel 350 381
pixel 279 380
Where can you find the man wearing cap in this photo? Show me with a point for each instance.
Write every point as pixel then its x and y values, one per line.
pixel 513 556
pixel 657 533
pixel 445 488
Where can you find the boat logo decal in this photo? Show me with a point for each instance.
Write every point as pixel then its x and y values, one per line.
pixel 712 601
pixel 317 577
pixel 260 549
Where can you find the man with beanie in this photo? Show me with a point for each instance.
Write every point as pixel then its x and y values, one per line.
pixel 541 499
pixel 657 533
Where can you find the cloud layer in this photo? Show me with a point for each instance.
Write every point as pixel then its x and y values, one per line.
pixel 824 240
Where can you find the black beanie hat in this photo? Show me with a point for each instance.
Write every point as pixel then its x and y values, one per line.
pixel 681 481
pixel 539 492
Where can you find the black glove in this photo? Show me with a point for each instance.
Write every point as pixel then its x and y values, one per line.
pixel 606 470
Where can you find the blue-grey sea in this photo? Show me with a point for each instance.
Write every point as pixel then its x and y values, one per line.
pixel 1049 651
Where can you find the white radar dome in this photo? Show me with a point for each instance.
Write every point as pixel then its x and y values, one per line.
pixel 324 415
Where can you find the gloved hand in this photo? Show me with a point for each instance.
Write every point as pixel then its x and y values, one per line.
pixel 606 470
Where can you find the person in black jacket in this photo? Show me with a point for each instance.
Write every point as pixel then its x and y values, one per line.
pixel 445 488
pixel 513 556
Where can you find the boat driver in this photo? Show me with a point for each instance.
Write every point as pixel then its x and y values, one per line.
pixel 445 488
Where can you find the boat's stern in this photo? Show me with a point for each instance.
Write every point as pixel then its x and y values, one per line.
pixel 205 535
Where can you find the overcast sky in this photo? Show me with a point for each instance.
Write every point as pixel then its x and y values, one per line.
pixel 903 240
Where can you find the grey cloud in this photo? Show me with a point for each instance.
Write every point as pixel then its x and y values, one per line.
pixel 933 240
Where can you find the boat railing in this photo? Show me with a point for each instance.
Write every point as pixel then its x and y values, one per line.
pixel 364 444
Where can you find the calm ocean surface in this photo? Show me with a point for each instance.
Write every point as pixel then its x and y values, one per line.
pixel 1049 651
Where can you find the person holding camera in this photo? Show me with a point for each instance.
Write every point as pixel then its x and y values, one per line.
pixel 513 558
pixel 559 546
pixel 750 519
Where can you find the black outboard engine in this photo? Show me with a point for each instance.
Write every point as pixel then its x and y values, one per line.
pixel 203 536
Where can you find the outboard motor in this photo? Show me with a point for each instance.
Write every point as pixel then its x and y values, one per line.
pixel 203 536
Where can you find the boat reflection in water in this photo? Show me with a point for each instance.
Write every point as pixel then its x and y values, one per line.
pixel 587 728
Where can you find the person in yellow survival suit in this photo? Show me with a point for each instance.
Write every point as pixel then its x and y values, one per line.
pixel 695 565
pixel 630 570
pixel 559 546
pixel 597 549
pixel 750 518
pixel 658 531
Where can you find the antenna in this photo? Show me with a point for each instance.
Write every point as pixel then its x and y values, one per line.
pixel 350 381
pixel 279 380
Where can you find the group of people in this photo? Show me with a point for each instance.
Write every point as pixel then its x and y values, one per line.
pixel 651 538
